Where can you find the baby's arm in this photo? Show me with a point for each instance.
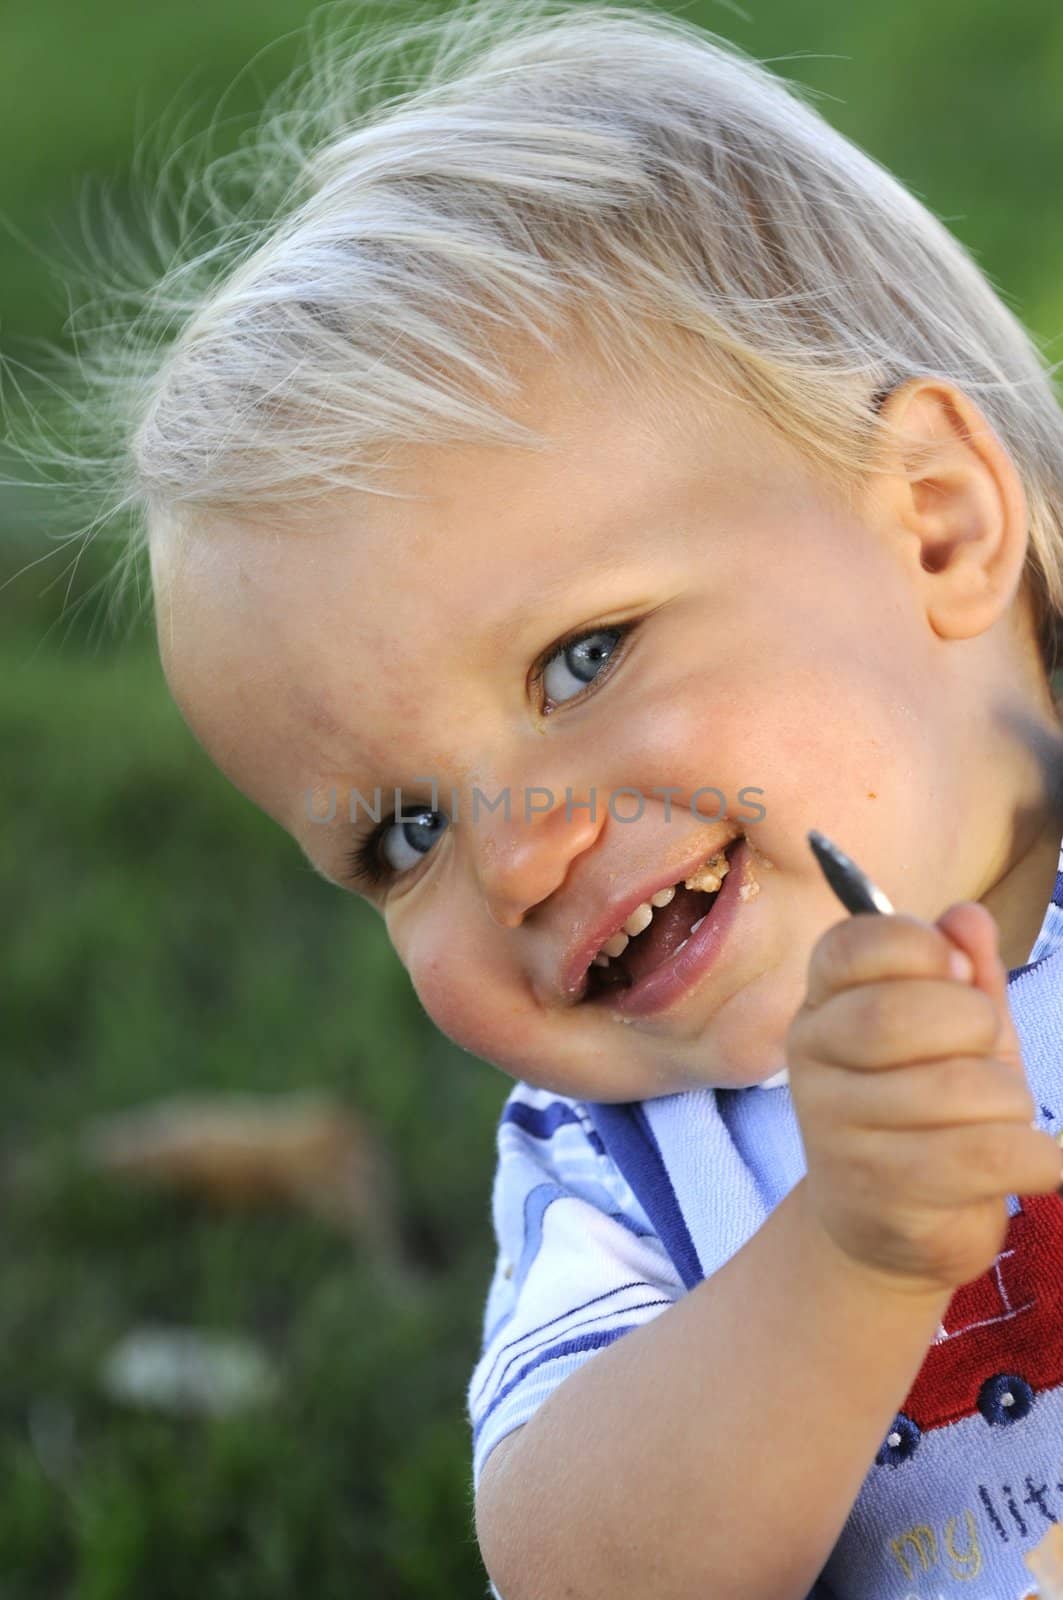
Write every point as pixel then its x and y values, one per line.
pixel 718 1450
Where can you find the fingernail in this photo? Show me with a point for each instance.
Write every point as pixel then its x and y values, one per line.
pixel 961 967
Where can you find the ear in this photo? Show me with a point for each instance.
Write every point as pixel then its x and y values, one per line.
pixel 954 498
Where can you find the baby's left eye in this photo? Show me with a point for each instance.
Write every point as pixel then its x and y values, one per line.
pixel 578 663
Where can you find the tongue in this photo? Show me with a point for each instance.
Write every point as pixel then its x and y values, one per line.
pixel 670 926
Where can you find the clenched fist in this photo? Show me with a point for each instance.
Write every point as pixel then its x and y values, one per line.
pixel 909 1086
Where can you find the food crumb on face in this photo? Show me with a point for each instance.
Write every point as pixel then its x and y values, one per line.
pixel 750 885
pixel 710 874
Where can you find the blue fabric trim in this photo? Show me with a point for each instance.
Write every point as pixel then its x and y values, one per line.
pixel 576 1329
pixel 1031 966
pixel 507 1351
pixel 586 1342
pixel 629 1140
pixel 543 1122
pixel 536 1202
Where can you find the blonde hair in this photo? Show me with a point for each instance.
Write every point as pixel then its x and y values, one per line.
pixel 361 261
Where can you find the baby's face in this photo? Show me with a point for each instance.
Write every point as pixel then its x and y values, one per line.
pixel 647 612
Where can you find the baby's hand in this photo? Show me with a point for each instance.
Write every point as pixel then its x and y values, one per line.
pixel 910 1090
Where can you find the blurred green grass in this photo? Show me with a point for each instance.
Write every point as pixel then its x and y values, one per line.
pixel 161 937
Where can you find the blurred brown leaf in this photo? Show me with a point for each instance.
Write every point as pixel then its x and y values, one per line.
pixel 244 1150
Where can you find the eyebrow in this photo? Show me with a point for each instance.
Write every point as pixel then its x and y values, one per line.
pixel 546 599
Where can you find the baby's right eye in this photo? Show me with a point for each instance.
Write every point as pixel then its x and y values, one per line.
pixel 401 844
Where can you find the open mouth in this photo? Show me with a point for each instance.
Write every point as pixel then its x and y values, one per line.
pixel 657 945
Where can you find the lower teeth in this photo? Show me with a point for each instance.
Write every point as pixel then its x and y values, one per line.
pixel 689 936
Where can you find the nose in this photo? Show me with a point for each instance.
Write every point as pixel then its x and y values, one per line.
pixel 524 851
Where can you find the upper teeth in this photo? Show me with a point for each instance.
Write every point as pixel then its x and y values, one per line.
pixel 613 946
pixel 636 923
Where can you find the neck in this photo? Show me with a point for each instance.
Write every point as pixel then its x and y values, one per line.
pixel 1032 757
pixel 1018 899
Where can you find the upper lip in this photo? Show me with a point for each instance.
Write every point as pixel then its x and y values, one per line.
pixel 572 977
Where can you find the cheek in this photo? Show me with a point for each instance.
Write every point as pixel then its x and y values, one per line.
pixel 712 730
pixel 793 725
pixel 843 745
pixel 455 983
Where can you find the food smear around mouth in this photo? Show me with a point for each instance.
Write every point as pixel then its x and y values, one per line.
pixel 710 875
pixel 750 884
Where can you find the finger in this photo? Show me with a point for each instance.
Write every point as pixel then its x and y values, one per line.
pixel 954 1166
pixel 973 928
pixel 878 1026
pixel 962 1090
pixel 970 926
pixel 868 947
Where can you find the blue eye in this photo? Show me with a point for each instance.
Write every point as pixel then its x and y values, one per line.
pixel 403 844
pixel 578 663
pixel 396 846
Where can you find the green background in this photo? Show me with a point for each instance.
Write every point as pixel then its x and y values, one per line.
pixel 160 937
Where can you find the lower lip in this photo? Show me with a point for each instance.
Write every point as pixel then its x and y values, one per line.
pixel 675 977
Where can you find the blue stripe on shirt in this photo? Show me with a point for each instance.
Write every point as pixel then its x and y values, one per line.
pixel 581 1346
pixel 510 1352
pixel 542 1122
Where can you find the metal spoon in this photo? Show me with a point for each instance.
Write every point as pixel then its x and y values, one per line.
pixel 852 886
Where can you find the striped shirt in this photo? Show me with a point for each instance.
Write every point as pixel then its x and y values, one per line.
pixel 579 1263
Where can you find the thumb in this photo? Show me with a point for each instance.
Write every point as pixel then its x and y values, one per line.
pixel 973 930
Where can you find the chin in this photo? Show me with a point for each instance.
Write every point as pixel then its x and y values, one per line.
pixel 741 1063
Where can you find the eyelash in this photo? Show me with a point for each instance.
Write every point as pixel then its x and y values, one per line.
pixel 363 861
pixel 364 858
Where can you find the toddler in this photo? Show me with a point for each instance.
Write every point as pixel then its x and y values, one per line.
pixel 578 475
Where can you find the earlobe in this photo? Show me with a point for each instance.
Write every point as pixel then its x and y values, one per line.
pixel 955 499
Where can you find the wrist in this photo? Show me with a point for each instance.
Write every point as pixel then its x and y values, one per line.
pixel 926 1296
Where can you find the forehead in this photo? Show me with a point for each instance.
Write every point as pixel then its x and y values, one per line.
pixel 298 651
